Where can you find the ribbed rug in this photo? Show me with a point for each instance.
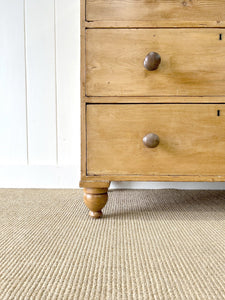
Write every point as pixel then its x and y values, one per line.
pixel 151 244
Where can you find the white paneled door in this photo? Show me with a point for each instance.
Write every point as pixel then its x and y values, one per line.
pixel 13 134
pixel 67 23
pixel 41 81
pixel 39 93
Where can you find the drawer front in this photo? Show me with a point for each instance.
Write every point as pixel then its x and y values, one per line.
pixel 192 62
pixel 145 10
pixel 192 139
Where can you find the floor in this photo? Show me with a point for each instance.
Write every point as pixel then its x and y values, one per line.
pixel 150 244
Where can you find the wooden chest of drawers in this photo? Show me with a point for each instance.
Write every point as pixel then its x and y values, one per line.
pixel 152 93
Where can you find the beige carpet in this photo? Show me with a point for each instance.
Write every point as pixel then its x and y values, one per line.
pixel 151 244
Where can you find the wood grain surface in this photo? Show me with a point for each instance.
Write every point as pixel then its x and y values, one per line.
pixel 160 23
pixel 146 10
pixel 192 139
pixel 193 62
pixel 154 99
pixel 181 101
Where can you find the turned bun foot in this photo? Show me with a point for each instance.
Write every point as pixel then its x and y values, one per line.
pixel 95 214
pixel 95 199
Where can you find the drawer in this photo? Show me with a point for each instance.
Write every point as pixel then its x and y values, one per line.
pixel 145 10
pixel 192 139
pixel 192 62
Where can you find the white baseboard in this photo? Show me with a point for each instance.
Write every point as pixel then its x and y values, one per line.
pixel 39 176
pixel 69 176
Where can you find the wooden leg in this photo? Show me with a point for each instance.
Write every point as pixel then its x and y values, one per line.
pixel 95 199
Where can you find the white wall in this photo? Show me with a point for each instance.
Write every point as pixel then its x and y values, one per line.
pixel 40 99
pixel 39 93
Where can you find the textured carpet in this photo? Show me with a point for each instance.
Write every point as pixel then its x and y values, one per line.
pixel 151 244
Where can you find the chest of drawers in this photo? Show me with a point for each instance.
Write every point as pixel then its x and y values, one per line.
pixel 152 93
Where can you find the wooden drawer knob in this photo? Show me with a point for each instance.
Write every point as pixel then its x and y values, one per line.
pixel 151 140
pixel 152 61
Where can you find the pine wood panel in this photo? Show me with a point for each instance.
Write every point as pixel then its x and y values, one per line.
pixel 160 23
pixel 95 181
pixel 192 139
pixel 193 62
pixel 82 88
pixel 155 99
pixel 145 10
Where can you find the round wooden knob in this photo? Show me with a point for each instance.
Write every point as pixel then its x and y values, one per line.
pixel 152 61
pixel 151 140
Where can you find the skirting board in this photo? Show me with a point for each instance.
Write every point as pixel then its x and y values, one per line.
pixel 69 176
pixel 39 176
